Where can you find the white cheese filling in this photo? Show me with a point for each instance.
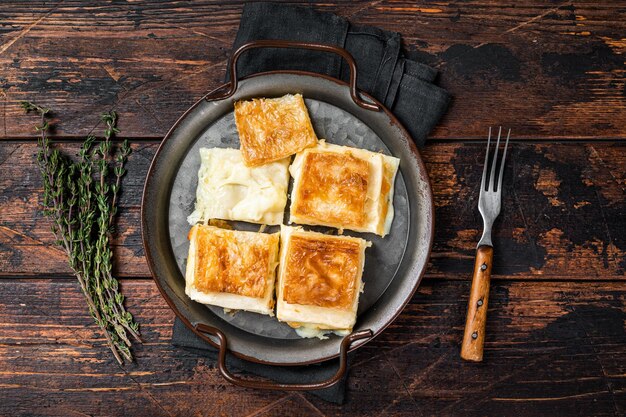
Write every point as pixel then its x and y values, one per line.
pixel 229 190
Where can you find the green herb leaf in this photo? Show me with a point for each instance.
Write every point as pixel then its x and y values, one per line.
pixel 81 201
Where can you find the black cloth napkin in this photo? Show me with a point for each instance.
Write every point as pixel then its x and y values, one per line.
pixel 184 338
pixel 402 85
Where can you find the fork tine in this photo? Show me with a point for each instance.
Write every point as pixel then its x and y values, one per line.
pixel 482 182
pixel 506 145
pixel 492 176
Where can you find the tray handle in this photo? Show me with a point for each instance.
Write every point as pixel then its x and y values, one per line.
pixel 232 86
pixel 203 329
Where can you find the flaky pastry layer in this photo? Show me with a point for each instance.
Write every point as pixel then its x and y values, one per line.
pixel 271 129
pixel 343 187
pixel 319 279
pixel 232 269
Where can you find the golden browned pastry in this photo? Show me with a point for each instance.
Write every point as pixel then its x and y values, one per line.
pixel 232 269
pixel 271 129
pixel 319 281
pixel 343 187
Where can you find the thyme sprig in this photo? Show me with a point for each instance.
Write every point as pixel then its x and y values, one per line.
pixel 80 197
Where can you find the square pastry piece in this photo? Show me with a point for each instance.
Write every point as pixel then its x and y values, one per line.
pixel 273 128
pixel 343 187
pixel 232 269
pixel 319 281
pixel 230 190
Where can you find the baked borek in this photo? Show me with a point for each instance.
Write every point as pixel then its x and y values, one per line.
pixel 232 269
pixel 271 129
pixel 343 187
pixel 230 190
pixel 319 281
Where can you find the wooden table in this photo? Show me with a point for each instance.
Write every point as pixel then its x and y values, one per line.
pixel 556 340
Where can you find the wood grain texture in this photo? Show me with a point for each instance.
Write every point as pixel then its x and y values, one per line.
pixel 549 70
pixel 555 349
pixel 477 305
pixel 563 212
pixel 559 65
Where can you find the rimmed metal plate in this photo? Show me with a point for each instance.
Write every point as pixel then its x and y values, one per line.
pixel 393 266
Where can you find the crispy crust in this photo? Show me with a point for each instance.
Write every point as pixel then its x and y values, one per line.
pixel 334 188
pixel 343 187
pixel 319 281
pixel 273 129
pixel 233 262
pixel 322 271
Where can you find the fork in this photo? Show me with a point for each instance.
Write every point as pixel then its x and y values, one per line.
pixel 489 207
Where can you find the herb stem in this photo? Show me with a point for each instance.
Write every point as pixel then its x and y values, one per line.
pixel 82 223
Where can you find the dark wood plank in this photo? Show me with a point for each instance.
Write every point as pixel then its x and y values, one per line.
pixel 553 349
pixel 537 333
pixel 549 71
pixel 546 70
pixel 564 212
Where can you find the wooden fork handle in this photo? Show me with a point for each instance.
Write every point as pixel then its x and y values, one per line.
pixel 474 336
